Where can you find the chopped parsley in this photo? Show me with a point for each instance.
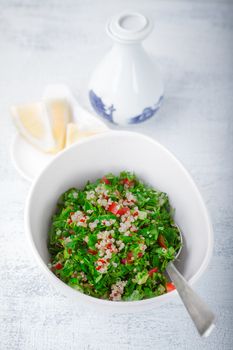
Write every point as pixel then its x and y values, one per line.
pixel 114 238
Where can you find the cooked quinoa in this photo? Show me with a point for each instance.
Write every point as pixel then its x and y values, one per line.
pixel 114 238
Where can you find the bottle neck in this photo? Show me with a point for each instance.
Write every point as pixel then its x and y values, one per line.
pixel 135 47
pixel 129 27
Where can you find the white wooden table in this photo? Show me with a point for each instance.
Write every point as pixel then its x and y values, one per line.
pixel 49 41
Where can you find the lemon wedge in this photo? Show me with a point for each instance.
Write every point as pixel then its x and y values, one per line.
pixel 59 114
pixel 74 134
pixel 32 123
pixel 43 124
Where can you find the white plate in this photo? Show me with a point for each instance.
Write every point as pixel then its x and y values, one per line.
pixel 27 159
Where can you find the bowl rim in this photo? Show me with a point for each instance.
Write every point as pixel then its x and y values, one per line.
pixel 102 302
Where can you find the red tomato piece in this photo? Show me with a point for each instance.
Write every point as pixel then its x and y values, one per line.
pixel 170 286
pixel 130 258
pixel 98 268
pixel 155 269
pixel 102 260
pixel 105 180
pixel 128 182
pixel 113 208
pixel 58 266
pixel 123 211
pixel 91 251
pixel 161 241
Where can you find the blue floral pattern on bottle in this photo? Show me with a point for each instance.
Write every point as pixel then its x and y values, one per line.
pixel 147 113
pixel 100 108
pixel 107 112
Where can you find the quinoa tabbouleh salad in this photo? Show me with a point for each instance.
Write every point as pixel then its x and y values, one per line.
pixel 114 238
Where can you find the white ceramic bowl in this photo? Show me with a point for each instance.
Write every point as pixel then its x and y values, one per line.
pixel 113 152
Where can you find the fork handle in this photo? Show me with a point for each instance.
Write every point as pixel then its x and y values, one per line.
pixel 203 318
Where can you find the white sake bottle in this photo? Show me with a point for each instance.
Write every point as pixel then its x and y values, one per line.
pixel 126 86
